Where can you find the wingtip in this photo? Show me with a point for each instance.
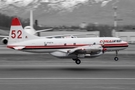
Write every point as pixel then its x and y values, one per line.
pixel 15 22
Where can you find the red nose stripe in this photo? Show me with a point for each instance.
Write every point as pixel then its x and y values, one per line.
pixel 15 22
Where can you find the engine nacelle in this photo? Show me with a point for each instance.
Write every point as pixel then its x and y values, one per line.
pixel 60 54
pixel 96 54
pixel 5 40
pixel 90 55
pixel 80 52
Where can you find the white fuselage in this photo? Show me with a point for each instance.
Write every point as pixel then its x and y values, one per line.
pixel 74 48
pixel 44 45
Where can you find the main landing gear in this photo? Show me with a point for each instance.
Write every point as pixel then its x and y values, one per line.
pixel 77 61
pixel 116 58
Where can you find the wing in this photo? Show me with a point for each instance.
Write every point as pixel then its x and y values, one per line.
pixel 92 50
pixel 4 36
pixel 4 32
pixel 84 49
pixel 44 30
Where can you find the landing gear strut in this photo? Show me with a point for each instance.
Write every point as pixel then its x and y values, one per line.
pixel 116 58
pixel 77 61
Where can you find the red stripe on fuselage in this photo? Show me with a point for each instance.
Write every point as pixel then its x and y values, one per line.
pixel 49 46
pixel 66 46
pixel 121 44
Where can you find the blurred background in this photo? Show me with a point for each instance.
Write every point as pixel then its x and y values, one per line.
pixel 109 17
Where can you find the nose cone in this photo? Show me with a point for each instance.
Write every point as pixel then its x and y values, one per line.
pixel 125 44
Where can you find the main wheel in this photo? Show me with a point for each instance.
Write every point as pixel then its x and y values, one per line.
pixel 78 61
pixel 116 58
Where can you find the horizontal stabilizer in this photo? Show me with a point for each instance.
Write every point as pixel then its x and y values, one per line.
pixel 4 36
pixel 19 47
pixel 44 30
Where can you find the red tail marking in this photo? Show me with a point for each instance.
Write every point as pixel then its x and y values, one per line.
pixel 15 22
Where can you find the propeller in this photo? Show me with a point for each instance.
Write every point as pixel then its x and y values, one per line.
pixel 104 49
pixel 103 45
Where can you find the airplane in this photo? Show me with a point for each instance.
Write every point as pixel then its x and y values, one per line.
pixel 28 29
pixel 73 48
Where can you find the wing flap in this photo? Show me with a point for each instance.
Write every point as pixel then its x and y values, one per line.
pixel 83 49
pixel 44 30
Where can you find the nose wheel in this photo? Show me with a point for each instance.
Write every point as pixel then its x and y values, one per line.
pixel 116 58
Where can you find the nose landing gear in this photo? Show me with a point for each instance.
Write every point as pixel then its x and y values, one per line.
pixel 116 58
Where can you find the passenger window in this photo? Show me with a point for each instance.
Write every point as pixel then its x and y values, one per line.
pixel 58 37
pixel 45 44
pixel 65 44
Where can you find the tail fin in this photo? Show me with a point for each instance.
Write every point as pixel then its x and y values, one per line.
pixel 17 33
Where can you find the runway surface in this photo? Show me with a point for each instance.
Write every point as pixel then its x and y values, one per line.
pixel 23 71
